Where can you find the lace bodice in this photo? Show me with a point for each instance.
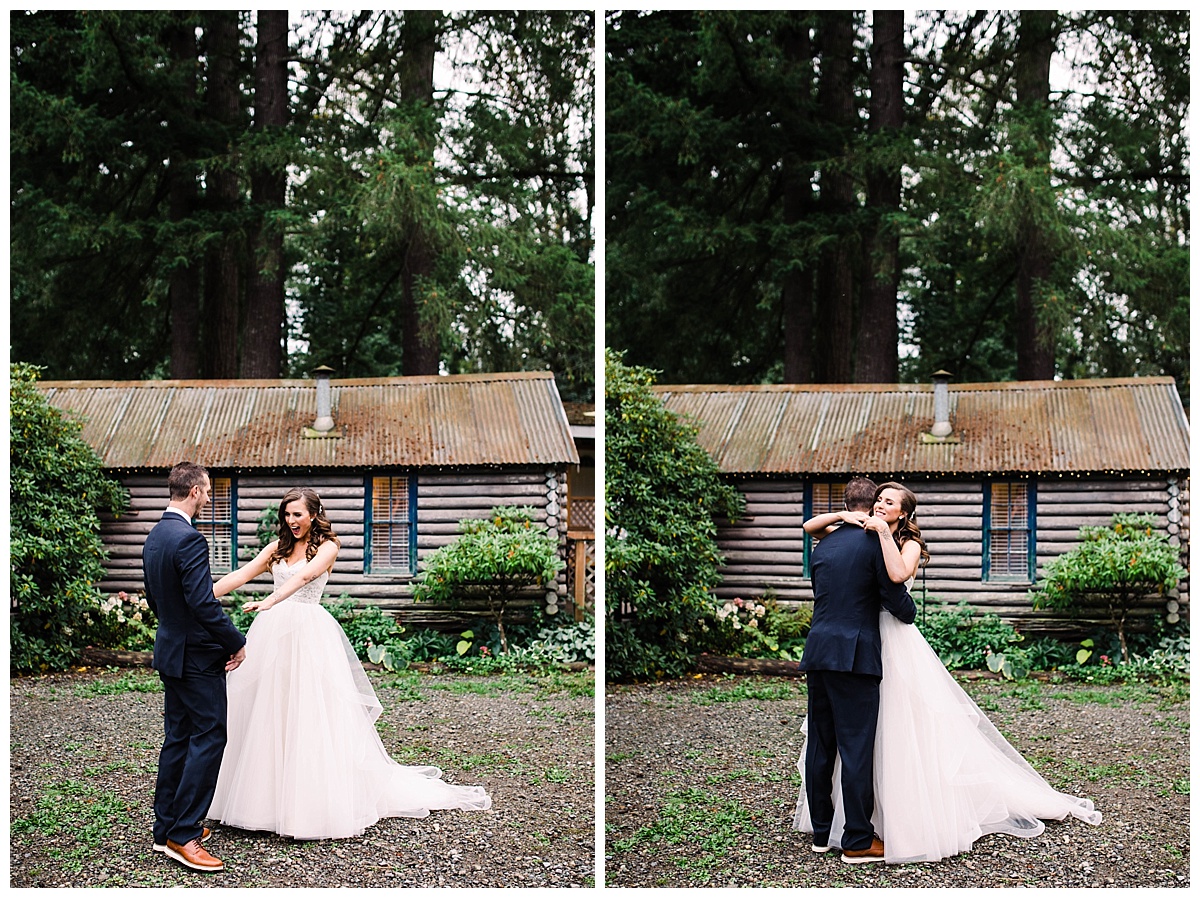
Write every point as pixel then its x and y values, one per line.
pixel 310 593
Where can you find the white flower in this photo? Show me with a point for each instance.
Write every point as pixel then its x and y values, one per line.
pixel 67 631
pixel 137 616
pixel 753 623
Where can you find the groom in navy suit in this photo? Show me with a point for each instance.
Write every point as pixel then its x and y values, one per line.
pixel 196 645
pixel 843 664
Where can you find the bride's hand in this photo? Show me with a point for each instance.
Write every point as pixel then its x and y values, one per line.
pixel 876 524
pixel 257 606
pixel 853 517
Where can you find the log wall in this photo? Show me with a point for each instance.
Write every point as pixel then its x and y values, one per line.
pixel 443 499
pixel 765 551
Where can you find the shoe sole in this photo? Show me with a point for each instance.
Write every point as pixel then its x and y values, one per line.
pixel 861 860
pixel 163 848
pixel 820 849
pixel 175 855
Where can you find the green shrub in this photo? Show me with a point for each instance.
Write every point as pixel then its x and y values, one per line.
pixel 364 626
pixel 494 558
pixel 1113 568
pixel 663 493
pixel 57 485
pixel 121 622
pixel 746 628
pixel 963 640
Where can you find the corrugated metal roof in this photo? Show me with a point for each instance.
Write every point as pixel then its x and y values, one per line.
pixel 1125 424
pixel 459 420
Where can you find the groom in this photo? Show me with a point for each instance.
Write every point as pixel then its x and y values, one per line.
pixel 844 666
pixel 195 646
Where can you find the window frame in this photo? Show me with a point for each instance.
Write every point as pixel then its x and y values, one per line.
pixel 208 519
pixel 1030 531
pixel 369 524
pixel 810 512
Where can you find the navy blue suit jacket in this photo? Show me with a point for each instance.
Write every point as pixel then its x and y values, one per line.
pixel 850 586
pixel 179 590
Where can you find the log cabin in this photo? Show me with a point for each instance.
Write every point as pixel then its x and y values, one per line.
pixel 1005 474
pixel 397 461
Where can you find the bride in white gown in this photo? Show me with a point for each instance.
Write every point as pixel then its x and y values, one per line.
pixel 944 776
pixel 303 757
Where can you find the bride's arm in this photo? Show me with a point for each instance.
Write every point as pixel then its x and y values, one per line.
pixel 901 565
pixel 245 573
pixel 822 525
pixel 320 563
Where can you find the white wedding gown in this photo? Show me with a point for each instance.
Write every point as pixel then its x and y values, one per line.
pixel 944 776
pixel 303 757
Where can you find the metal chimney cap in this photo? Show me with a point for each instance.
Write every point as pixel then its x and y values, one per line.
pixel 941 375
pixel 322 371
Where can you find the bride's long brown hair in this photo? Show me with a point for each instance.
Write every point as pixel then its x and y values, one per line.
pixel 907 528
pixel 320 531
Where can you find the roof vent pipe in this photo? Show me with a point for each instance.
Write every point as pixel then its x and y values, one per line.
pixel 941 404
pixel 324 422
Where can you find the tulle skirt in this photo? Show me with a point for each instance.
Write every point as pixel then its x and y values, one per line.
pixel 303 757
pixel 944 776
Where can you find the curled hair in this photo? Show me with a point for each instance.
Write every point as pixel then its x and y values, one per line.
pixel 907 528
pixel 183 477
pixel 320 531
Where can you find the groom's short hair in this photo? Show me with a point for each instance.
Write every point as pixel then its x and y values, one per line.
pixel 859 494
pixel 183 477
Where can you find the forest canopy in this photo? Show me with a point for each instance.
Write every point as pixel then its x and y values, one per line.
pixel 840 196
pixel 240 194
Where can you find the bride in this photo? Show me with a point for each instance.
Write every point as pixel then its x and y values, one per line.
pixel 944 776
pixel 303 757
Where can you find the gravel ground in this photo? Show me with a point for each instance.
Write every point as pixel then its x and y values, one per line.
pixel 701 785
pixel 82 768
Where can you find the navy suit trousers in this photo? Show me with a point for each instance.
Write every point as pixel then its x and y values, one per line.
pixel 194 707
pixel 843 709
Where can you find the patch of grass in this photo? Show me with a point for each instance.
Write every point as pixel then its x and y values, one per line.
pixel 1029 695
pixel 110 767
pixel 126 683
pixel 1182 787
pixel 493 760
pixel 694 816
pixel 746 690
pixel 1132 771
pixel 1173 723
pixel 76 808
pixel 403 686
pixel 618 757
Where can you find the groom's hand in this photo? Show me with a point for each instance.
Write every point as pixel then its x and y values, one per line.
pixel 235 660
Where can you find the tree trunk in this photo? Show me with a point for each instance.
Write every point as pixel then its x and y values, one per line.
pixel 183 288
pixel 1035 341
pixel 878 333
pixel 797 292
pixel 418 36
pixel 221 277
pixel 262 347
pixel 834 343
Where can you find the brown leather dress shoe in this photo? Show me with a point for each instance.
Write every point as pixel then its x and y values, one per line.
pixel 204 837
pixel 865 855
pixel 193 855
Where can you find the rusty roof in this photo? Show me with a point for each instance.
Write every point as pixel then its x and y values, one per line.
pixel 1120 424
pixel 448 421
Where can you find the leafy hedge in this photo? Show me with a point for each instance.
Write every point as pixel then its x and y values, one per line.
pixel 57 486
pixel 662 495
